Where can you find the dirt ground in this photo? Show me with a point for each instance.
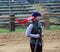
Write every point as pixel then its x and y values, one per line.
pixel 18 42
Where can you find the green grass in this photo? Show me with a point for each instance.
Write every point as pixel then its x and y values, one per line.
pixel 53 27
pixel 20 30
pixel 4 30
pixel 16 30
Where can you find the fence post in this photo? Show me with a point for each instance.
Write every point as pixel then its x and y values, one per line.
pixel 12 23
pixel 47 22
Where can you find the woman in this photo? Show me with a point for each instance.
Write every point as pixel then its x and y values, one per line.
pixel 34 31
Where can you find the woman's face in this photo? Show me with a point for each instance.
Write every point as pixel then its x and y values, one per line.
pixel 36 19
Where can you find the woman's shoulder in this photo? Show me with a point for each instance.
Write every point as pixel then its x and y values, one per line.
pixel 31 25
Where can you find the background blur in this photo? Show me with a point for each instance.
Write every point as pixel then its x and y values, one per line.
pixel 10 10
pixel 12 34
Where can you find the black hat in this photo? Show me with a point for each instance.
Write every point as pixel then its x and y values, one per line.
pixel 35 14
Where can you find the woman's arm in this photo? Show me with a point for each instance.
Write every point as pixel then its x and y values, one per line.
pixel 28 32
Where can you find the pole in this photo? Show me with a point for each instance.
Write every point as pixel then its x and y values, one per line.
pixel 35 46
pixel 11 18
pixel 47 22
pixel 12 23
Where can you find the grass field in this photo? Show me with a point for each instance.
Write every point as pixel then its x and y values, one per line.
pixel 24 29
